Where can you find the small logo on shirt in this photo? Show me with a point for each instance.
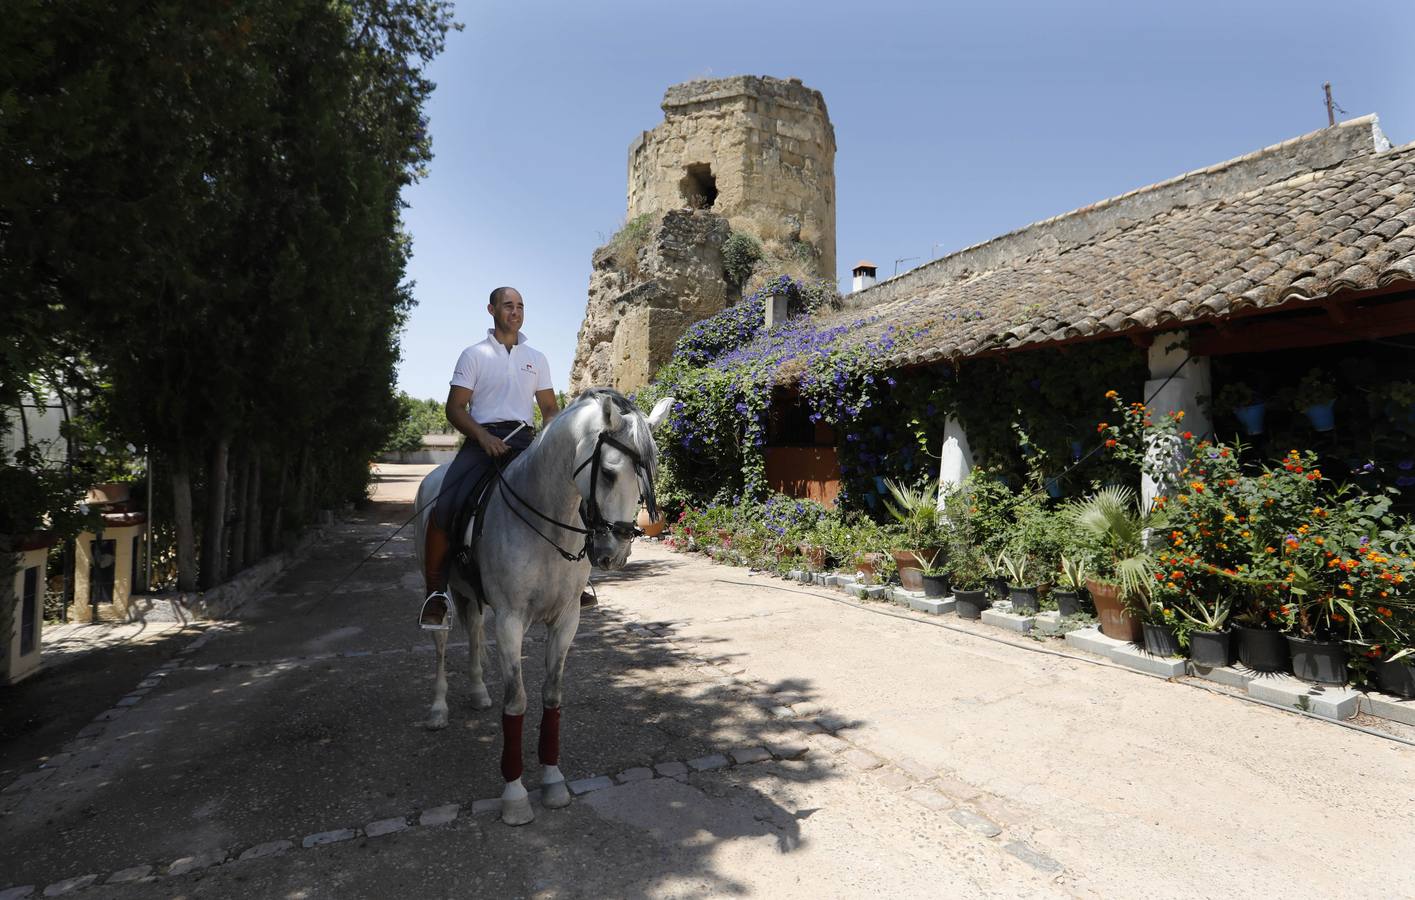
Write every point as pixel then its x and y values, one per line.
pixel 528 367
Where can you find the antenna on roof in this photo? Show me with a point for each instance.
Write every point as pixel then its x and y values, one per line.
pixel 902 259
pixel 1331 104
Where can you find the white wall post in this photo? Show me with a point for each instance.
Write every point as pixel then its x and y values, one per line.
pixel 1175 385
pixel 957 459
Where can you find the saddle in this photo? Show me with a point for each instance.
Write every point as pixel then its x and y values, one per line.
pixel 471 517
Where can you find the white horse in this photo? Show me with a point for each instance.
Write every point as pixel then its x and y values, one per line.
pixel 534 555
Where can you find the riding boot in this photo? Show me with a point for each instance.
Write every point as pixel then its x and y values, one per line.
pixel 435 548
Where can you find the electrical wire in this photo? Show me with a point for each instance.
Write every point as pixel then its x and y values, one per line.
pixel 1074 658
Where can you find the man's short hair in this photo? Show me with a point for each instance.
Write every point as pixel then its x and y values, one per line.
pixel 498 293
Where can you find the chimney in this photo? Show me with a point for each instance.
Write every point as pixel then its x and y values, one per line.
pixel 864 273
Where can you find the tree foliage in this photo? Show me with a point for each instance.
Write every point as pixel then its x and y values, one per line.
pixel 200 225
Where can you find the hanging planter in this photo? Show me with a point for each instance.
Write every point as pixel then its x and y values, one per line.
pixel 1053 486
pixel 1251 417
pixel 1322 416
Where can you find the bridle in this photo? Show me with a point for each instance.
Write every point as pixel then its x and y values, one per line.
pixel 595 522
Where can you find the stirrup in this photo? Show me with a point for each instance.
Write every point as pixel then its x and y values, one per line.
pixel 446 623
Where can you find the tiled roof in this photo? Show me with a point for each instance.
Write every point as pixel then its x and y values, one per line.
pixel 1349 227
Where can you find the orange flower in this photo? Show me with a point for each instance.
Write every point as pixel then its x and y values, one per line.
pixel 1102 427
pixel 1384 611
pixel 1179 416
pixel 1338 617
pixel 1110 443
pixel 1111 395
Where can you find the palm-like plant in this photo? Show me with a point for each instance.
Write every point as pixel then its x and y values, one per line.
pixel 916 511
pixel 1113 520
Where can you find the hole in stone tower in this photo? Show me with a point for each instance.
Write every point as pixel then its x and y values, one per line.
pixel 698 187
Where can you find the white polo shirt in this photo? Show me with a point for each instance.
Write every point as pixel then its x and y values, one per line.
pixel 503 384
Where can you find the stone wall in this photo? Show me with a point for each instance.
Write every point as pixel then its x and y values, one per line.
pixel 638 308
pixel 745 153
pixel 767 145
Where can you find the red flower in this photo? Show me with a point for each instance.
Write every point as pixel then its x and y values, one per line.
pixel 1188 435
pixel 1110 443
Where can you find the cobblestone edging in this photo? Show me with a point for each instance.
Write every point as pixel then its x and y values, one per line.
pixel 815 732
pixel 433 817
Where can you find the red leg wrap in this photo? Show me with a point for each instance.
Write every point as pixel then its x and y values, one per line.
pixel 511 746
pixel 550 737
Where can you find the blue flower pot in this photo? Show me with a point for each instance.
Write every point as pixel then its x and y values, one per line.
pixel 1251 417
pixel 1322 415
pixel 881 487
pixel 1076 449
pixel 1053 487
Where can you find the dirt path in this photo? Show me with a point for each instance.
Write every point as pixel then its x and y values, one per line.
pixel 299 723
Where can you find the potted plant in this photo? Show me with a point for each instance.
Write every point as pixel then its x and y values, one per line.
pixel 967 571
pixel 936 582
pixel 1210 641
pixel 1121 565
pixel 1400 397
pixel 1021 590
pixel 1071 581
pixel 1239 399
pixel 1317 396
pixel 995 568
pixel 915 509
pixel 1157 624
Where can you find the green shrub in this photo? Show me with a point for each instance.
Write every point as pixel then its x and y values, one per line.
pixel 740 254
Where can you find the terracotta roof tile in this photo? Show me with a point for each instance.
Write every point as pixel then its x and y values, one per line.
pixel 1350 227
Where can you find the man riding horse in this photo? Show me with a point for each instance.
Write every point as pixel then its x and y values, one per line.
pixel 490 401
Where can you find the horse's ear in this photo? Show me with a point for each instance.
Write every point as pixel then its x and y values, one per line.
pixel 660 409
pixel 612 418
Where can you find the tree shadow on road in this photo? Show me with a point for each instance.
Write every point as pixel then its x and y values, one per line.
pixel 236 755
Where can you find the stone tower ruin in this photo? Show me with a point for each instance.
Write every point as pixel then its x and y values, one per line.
pixel 750 154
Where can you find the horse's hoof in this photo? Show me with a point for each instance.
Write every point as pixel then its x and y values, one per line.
pixel 555 795
pixel 437 721
pixel 481 699
pixel 517 812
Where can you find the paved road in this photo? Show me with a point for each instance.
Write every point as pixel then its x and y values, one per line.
pixel 707 698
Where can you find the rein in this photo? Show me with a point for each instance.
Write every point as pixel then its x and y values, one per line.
pixel 590 513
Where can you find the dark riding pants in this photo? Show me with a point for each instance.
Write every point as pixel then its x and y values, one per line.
pixel 468 469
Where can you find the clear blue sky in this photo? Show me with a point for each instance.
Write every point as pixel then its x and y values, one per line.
pixel 953 123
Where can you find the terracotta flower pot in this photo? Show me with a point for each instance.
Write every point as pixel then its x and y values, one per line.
pixel 911 565
pixel 869 563
pixel 1116 619
pixel 813 555
pixel 650 527
pixel 112 492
